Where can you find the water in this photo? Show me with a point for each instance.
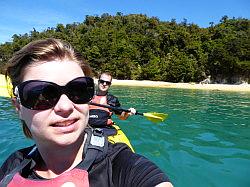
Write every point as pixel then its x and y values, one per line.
pixel 204 142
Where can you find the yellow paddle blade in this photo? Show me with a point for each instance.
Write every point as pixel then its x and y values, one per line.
pixel 5 87
pixel 155 117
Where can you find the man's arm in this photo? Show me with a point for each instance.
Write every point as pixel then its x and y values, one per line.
pixel 125 115
pixel 113 101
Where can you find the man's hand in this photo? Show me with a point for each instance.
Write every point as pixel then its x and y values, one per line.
pixel 125 115
pixel 132 111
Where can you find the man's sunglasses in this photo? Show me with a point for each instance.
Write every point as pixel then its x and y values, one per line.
pixel 103 81
pixel 42 95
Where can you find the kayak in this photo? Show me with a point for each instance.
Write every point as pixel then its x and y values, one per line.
pixel 119 137
pixel 4 92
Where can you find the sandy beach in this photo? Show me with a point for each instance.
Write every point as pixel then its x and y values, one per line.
pixel 160 84
pixel 216 87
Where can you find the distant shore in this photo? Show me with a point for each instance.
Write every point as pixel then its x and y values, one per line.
pixel 160 84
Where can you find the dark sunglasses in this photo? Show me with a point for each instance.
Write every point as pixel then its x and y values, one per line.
pixel 103 81
pixel 42 95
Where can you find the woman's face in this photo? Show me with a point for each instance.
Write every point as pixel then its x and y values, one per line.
pixel 64 123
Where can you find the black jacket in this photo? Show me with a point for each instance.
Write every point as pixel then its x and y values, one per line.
pixel 120 167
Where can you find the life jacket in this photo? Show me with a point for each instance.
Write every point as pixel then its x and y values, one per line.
pixel 95 149
pixel 100 116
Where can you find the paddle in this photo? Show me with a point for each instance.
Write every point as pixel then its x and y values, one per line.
pixel 151 116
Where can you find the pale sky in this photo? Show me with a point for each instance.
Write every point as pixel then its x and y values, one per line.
pixel 21 16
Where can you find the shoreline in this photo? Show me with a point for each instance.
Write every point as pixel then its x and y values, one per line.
pixel 195 86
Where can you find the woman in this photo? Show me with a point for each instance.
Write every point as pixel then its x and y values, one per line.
pixel 52 88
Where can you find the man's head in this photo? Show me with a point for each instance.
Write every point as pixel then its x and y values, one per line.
pixel 104 82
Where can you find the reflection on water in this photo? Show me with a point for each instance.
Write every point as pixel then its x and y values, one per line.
pixel 204 142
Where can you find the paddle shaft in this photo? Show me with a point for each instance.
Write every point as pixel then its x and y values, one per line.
pixel 114 108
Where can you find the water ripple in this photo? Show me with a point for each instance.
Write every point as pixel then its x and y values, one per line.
pixel 205 138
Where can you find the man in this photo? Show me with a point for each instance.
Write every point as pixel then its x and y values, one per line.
pixel 101 116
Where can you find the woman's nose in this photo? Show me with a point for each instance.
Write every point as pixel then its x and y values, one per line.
pixel 64 106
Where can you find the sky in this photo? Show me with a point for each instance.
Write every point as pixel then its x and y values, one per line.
pixel 21 16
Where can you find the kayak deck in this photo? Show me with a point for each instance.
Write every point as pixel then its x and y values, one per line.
pixel 120 137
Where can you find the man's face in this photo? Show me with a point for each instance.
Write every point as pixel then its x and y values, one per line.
pixel 104 82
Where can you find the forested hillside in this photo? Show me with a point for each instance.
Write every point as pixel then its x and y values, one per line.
pixel 139 47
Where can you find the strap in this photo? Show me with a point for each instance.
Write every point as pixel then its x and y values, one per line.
pixel 95 145
pixel 6 180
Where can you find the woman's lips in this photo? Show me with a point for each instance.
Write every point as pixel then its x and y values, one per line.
pixel 66 126
pixel 64 123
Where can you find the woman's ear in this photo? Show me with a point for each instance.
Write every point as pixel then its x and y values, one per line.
pixel 15 103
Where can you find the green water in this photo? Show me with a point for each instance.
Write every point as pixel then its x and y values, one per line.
pixel 204 142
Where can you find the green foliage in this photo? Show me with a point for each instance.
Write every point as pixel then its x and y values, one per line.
pixel 139 47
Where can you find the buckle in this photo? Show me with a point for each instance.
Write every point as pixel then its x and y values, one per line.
pixel 97 138
pixel 97 132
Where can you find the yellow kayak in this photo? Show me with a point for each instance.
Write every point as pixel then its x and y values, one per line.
pixel 120 137
pixel 5 88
